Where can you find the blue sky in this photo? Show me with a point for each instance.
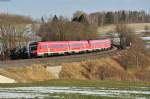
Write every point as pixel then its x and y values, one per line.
pixel 38 8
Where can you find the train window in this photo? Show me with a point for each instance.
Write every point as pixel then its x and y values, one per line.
pixel 76 45
pixel 43 46
pixel 57 46
pixel 33 47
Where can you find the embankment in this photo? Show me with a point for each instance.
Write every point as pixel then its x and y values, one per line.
pixel 27 74
pixel 125 67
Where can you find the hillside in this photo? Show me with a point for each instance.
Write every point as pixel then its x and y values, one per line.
pixel 122 67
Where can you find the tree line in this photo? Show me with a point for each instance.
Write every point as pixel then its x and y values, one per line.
pixel 114 17
pixel 61 29
pixel 84 26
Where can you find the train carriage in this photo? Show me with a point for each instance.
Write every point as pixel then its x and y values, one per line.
pixel 100 44
pixel 49 48
pixel 61 47
pixel 79 46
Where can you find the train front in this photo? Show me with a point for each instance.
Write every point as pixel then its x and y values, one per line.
pixel 32 49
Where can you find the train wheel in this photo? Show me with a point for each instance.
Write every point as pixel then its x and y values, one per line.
pixel 66 53
pixel 45 55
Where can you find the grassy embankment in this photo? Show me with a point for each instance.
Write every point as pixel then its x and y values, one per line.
pixel 78 96
pixel 82 83
pixel 27 74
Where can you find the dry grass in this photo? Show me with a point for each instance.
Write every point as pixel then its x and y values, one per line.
pixel 72 71
pixel 108 68
pixel 133 26
pixel 27 74
pixel 139 26
pixel 107 28
pixel 143 74
pixel 104 69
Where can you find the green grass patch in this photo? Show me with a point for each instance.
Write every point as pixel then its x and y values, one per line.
pixel 81 83
pixel 76 96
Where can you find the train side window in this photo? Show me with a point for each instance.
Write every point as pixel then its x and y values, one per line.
pixel 43 46
pixel 76 45
pixel 57 46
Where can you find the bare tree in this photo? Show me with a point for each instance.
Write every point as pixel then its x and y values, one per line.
pixel 11 37
pixel 125 35
pixel 63 29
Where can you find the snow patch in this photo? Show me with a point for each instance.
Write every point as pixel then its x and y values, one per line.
pixel 4 79
pixel 41 92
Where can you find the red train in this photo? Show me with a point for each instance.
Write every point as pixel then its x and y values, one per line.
pixel 64 47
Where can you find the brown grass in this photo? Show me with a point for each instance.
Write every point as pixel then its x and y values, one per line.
pixel 27 74
pixel 108 68
pixel 143 74
pixel 72 71
pixel 103 69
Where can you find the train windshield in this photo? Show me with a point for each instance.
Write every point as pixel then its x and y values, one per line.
pixel 33 46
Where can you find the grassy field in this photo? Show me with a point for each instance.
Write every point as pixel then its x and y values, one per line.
pixel 97 85
pixel 77 96
pixel 134 26
pixel 82 83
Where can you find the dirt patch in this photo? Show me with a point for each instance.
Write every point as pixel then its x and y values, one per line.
pixel 27 74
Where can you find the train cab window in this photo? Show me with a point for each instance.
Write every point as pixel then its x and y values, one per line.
pixel 33 46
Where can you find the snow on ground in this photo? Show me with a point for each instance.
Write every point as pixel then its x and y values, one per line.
pixel 41 92
pixel 4 79
pixel 146 38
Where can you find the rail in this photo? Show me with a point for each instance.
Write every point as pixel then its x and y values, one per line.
pixel 57 60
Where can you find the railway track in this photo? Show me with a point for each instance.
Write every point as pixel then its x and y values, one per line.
pixel 57 60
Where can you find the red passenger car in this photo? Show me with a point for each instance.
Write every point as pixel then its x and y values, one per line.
pixel 49 48
pixel 78 46
pixel 100 44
